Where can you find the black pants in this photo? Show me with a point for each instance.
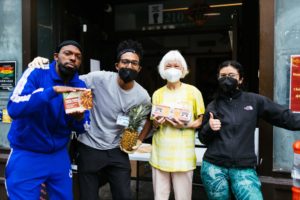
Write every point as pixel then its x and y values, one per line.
pixel 113 163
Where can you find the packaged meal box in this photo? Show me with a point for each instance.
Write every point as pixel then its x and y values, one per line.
pixel 181 114
pixel 159 110
pixel 78 101
pixel 171 113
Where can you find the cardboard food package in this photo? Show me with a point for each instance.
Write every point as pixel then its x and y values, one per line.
pixel 171 113
pixel 78 101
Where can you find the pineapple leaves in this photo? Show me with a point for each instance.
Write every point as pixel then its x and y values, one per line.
pixel 137 114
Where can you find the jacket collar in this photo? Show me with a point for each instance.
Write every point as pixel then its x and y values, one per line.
pixel 233 95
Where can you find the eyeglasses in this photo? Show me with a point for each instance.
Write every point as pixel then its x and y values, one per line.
pixel 231 75
pixel 134 63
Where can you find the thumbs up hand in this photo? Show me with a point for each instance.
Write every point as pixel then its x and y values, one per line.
pixel 215 124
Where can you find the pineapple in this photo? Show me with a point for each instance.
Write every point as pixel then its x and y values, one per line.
pixel 136 116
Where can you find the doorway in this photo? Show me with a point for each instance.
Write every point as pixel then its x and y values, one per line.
pixel 206 32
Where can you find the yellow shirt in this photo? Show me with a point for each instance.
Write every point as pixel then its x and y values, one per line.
pixel 173 150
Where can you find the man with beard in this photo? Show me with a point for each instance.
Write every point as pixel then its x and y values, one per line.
pixel 41 129
pixel 114 94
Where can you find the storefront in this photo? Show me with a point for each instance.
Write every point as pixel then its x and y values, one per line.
pixel 263 35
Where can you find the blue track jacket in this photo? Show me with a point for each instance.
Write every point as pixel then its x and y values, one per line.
pixel 40 123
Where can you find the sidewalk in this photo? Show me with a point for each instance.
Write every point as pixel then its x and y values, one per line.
pixel 146 192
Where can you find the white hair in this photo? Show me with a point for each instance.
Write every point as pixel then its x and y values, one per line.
pixel 171 56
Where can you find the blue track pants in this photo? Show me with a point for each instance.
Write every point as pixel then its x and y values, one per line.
pixel 26 171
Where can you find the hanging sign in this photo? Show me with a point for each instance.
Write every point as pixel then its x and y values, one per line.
pixel 295 83
pixel 7 75
pixel 155 13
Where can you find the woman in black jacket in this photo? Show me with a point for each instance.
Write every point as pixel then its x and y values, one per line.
pixel 228 131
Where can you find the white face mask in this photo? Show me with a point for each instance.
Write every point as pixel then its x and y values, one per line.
pixel 173 75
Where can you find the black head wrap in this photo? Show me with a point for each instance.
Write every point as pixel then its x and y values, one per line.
pixel 68 42
pixel 129 46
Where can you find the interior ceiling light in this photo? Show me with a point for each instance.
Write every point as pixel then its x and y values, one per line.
pixel 212 14
pixel 199 12
pixel 225 5
pixel 175 9
pixel 211 6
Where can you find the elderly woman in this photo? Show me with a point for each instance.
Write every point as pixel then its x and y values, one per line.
pixel 173 156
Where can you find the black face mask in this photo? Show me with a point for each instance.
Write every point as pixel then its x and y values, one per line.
pixel 228 85
pixel 66 72
pixel 127 74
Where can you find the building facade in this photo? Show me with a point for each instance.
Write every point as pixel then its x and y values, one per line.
pixel 262 34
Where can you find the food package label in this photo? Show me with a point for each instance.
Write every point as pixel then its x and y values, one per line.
pixel 171 113
pixel 78 101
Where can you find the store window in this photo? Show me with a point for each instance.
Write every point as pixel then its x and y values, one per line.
pixel 286 91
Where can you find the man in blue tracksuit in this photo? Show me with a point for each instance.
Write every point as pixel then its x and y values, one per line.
pixel 41 129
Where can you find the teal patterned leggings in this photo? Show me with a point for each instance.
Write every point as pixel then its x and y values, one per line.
pixel 218 181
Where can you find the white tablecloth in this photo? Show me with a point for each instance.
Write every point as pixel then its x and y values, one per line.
pixel 145 156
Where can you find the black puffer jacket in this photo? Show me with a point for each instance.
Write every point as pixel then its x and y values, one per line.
pixel 233 145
